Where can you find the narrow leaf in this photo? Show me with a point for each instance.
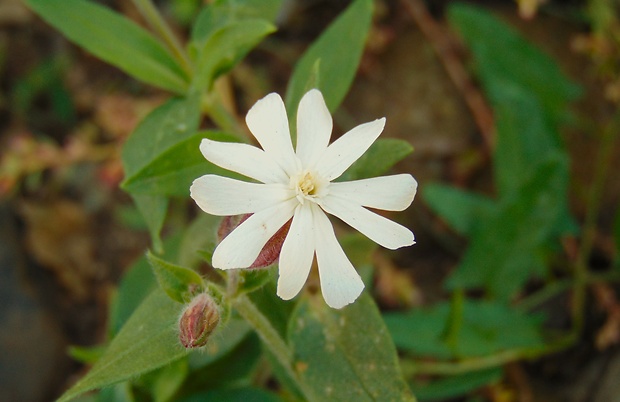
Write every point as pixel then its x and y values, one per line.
pixel 501 56
pixel 458 385
pixel 346 355
pixel 172 172
pixel 226 47
pixel 245 394
pixel 153 209
pixel 487 328
pixel 114 39
pixel 382 155
pixel 164 127
pixel 508 247
pixel 339 49
pixel 148 341
pixel 220 13
pixel 178 282
pixel 462 210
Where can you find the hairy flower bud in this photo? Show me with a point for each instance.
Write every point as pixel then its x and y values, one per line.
pixel 198 321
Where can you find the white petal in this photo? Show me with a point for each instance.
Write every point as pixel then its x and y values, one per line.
pixel 381 230
pixel 268 122
pixel 347 149
pixel 241 247
pixel 297 253
pixel 390 193
pixel 340 282
pixel 314 128
pixel 224 196
pixel 245 159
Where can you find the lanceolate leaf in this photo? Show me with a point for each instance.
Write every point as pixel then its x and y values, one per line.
pixel 169 124
pixel 346 355
pixel 339 50
pixel 171 172
pixel 164 127
pixel 114 39
pixel 462 210
pixel 220 13
pixel 178 282
pixel 382 155
pixel 507 248
pixel 487 327
pixel 153 209
pixel 148 341
pixel 226 47
pixel 501 55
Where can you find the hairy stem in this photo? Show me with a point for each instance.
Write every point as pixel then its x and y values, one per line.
pixel 272 339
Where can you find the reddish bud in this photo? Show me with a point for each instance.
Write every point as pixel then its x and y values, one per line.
pixel 270 252
pixel 198 321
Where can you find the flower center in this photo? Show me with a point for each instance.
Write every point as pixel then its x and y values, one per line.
pixel 306 185
pixel 309 186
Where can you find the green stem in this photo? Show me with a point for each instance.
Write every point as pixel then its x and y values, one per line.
pixel 213 107
pixel 414 367
pixel 272 339
pixel 589 226
pixel 157 23
pixel 455 322
pixel 555 288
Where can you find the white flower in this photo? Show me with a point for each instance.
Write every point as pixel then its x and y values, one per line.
pixel 299 184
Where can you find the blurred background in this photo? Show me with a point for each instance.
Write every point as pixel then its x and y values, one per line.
pixel 68 233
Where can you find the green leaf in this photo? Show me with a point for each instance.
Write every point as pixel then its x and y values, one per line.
pixel 172 172
pixel 462 210
pixel 507 248
pixel 244 394
pixel 525 138
pixel 457 385
pixel 420 331
pixel 166 126
pixel 339 49
pixel 86 354
pixel 501 56
pixel 525 141
pixel 179 283
pixel 137 283
pixel 153 209
pixel 234 368
pixel 358 248
pixel 122 392
pixel 253 279
pixel 346 355
pixel 220 13
pixel 380 157
pixel 164 382
pixel 199 235
pixel 486 328
pixel 148 340
pixel 272 307
pixel 230 335
pixel 225 47
pixel 114 39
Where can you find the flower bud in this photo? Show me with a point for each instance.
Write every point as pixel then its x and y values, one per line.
pixel 198 321
pixel 270 252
